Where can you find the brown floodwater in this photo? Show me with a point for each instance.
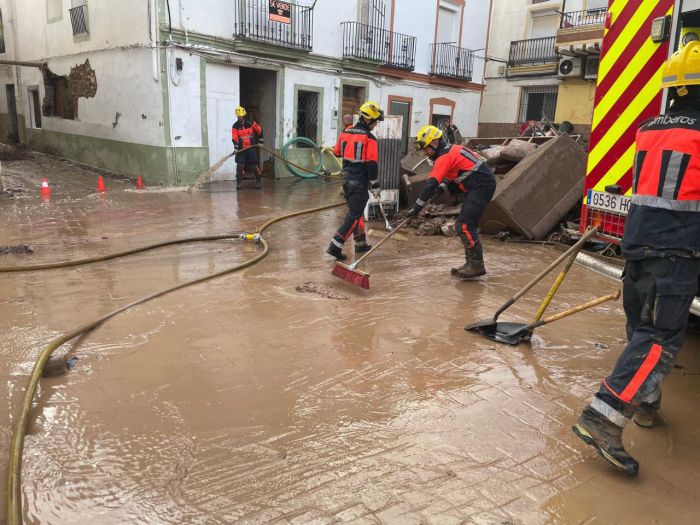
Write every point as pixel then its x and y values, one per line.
pixel 282 394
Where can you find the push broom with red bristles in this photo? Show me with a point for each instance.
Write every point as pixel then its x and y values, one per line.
pixel 351 274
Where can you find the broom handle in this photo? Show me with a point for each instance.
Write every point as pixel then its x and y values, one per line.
pixel 589 233
pixel 377 245
pixel 585 306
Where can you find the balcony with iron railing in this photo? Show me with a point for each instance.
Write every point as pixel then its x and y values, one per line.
pixel 581 32
pixel 532 52
pixel 451 61
pixel 373 44
pixel 575 19
pixel 284 24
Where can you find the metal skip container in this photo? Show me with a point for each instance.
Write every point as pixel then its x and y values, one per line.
pixel 533 196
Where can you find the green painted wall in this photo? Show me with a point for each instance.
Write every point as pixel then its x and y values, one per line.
pixel 155 164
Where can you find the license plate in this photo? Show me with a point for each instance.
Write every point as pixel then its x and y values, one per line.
pixel 600 200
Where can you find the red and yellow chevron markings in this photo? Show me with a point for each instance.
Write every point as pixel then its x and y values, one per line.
pixel 628 89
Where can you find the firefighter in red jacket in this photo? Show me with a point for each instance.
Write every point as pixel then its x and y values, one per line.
pixel 661 245
pixel 458 169
pixel 245 132
pixel 358 149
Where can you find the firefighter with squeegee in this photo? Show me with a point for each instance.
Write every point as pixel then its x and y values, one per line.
pixel 661 245
pixel 357 146
pixel 458 169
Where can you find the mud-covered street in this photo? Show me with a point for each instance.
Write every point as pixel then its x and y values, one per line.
pixel 281 394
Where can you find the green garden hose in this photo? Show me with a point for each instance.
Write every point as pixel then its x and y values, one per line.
pixel 304 173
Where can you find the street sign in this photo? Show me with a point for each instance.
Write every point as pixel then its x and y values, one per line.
pixel 280 11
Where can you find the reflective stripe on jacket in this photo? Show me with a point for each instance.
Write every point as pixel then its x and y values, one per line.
pixel 664 217
pixel 246 133
pixel 359 151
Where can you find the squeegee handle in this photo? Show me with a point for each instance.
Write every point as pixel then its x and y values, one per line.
pixel 575 248
pixel 580 308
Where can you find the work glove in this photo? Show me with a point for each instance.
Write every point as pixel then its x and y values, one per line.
pixel 440 189
pixel 374 188
pixel 413 212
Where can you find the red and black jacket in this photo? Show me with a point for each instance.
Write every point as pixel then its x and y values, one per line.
pixel 664 217
pixel 453 165
pixel 246 133
pixel 358 149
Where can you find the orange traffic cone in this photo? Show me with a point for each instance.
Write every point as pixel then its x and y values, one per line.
pixel 45 190
pixel 101 184
pixel 139 183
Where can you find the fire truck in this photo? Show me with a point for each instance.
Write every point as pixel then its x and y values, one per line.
pixel 639 36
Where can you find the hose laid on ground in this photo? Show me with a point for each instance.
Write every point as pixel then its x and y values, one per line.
pixel 88 260
pixel 14 481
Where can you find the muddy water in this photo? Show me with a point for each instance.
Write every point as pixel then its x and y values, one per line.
pixel 283 394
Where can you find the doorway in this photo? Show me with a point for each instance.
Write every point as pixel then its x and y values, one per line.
pixel 228 87
pixel 13 127
pixel 353 97
pixel 258 88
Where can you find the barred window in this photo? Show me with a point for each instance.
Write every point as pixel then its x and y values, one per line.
pixel 536 101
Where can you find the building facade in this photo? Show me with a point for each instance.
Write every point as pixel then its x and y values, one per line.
pixel 149 87
pixel 543 59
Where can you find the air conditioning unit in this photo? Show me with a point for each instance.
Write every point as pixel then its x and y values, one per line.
pixel 570 67
pixel 592 63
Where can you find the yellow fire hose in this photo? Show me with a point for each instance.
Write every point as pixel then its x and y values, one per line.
pixel 14 480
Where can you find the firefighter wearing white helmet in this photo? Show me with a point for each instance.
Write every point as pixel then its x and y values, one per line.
pixel 357 146
pixel 661 246
pixel 458 169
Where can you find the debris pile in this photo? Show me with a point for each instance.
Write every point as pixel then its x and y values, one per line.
pixel 537 186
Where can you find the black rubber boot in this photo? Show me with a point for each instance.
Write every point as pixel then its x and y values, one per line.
pixel 647 413
pixel 239 177
pixel 258 182
pixel 475 263
pixel 467 253
pixel 361 245
pixel 336 252
pixel 598 431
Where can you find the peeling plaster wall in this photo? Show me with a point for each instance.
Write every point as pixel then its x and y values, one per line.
pixel 123 86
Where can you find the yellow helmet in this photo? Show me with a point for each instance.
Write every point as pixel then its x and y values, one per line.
pixel 426 135
pixel 683 68
pixel 372 111
pixel 241 112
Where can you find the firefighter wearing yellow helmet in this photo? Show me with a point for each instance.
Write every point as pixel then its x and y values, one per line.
pixel 357 146
pixel 246 133
pixel 661 246
pixel 458 169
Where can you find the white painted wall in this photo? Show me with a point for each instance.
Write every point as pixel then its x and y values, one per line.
pixel 110 26
pixel 510 20
pixel 328 31
pixel 329 83
pixel 137 98
pixel 185 99
pixel 476 26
